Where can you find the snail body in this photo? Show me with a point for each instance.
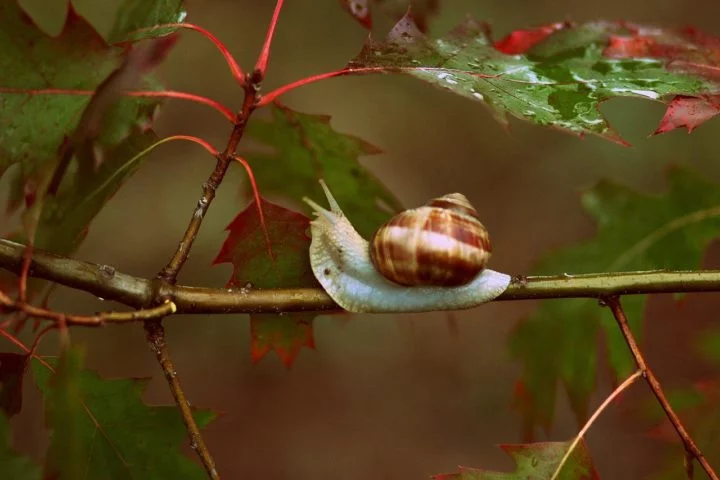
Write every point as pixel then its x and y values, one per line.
pixel 341 261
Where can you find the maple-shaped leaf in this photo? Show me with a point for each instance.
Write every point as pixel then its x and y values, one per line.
pixel 12 370
pixel 102 429
pixel 12 465
pixel 559 78
pixel 697 406
pixel 364 10
pixel 635 231
pixel 42 112
pixel 246 248
pixel 535 461
pixel 306 148
pixel 134 15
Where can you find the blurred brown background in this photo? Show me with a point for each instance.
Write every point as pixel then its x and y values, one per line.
pixel 383 396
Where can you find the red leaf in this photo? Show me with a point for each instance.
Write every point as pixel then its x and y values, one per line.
pixel 689 112
pixel 245 248
pixel 521 41
pixel 284 335
pixel 625 47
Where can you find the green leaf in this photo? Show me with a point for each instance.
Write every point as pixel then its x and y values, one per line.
pixel 559 81
pixel 635 231
pixel 65 216
pixel 136 14
pixel 102 429
pixel 41 108
pixel 535 461
pixel 307 148
pixel 246 248
pixel 12 465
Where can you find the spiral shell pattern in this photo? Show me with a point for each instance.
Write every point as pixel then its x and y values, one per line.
pixel 441 243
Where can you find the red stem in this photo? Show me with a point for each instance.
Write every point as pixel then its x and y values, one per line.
pixel 25 349
pixel 261 65
pixel 235 69
pixel 27 258
pixel 206 145
pixel 271 96
pixel 225 111
pixel 256 195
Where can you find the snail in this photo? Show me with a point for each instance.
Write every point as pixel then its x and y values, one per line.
pixel 363 276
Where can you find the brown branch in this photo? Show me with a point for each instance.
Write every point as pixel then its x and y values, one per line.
pixel 156 339
pixel 168 275
pixel 106 282
pixel 170 272
pixel 691 447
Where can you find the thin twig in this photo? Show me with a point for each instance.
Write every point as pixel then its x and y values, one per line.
pixel 168 275
pixel 689 464
pixel 623 386
pixel 691 447
pixel 156 339
pixel 97 320
pixel 22 284
pixel 170 272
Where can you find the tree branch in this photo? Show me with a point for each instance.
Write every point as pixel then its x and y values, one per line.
pixel 106 282
pixel 167 277
pixel 170 272
pixel 97 320
pixel 691 447
pixel 156 339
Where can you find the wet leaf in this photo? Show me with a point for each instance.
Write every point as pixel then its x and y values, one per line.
pixel 42 108
pixel 556 75
pixel 12 465
pixel 635 232
pixel 520 41
pixel 136 14
pixel 246 249
pixel 12 370
pixel 535 461
pixel 102 429
pixel 689 112
pixel 307 148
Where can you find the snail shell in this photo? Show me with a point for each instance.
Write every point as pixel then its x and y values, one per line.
pixel 441 243
pixel 340 261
